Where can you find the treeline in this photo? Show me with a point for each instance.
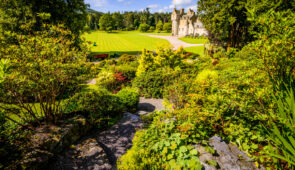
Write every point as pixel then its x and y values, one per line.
pixel 28 16
pixel 127 21
pixel 235 22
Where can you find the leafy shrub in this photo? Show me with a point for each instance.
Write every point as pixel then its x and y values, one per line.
pixel 43 66
pixel 150 83
pixel 159 26
pixel 165 58
pixel 231 52
pixel 106 79
pixel 127 70
pixel 153 83
pixel 126 58
pixel 152 29
pixel 275 44
pixel 143 27
pixel 178 89
pixel 167 27
pixel 218 55
pixel 129 98
pixel 95 104
pixel 206 75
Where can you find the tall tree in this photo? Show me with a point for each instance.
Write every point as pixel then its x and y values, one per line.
pixel 118 20
pixel 226 21
pixel 72 13
pixel 106 22
pixel 159 26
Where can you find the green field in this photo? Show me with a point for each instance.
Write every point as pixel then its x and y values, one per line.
pixel 131 42
pixel 193 40
pixel 196 50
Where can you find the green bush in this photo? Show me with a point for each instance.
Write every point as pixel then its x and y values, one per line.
pixel 275 44
pixel 106 79
pixel 129 98
pixel 165 58
pixel 42 67
pixel 143 27
pixel 151 84
pixel 126 58
pixel 167 27
pixel 95 104
pixel 152 29
pixel 127 70
pixel 159 26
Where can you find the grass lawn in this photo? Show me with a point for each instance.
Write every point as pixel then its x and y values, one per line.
pixel 156 33
pixel 193 40
pixel 130 42
pixel 196 50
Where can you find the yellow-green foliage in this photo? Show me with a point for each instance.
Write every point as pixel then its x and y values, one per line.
pixel 162 146
pixel 207 75
pixel 146 61
pixel 106 79
pixel 165 57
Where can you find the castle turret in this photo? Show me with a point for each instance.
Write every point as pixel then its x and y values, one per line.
pixel 175 21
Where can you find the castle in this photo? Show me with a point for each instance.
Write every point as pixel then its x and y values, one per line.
pixel 186 24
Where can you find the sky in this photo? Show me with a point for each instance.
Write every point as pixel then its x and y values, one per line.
pixel 139 5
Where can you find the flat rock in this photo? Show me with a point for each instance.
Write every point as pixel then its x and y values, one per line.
pixel 100 150
pixel 228 156
pixel 87 154
pixel 146 106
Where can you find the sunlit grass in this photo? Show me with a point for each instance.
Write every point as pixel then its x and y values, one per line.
pixel 131 42
pixel 193 40
pixel 196 50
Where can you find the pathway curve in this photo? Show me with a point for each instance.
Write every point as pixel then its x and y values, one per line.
pixel 101 150
pixel 175 41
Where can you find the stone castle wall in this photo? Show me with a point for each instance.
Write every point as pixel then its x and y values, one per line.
pixel 186 24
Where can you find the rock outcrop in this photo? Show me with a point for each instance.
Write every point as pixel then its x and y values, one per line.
pixel 228 156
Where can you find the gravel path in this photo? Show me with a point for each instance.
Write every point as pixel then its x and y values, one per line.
pixel 176 42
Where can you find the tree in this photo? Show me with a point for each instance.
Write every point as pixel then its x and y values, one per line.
pixel 143 27
pixel 106 22
pixel 21 16
pixel 167 27
pixel 118 21
pixel 152 29
pixel 42 66
pixel 159 26
pixel 226 22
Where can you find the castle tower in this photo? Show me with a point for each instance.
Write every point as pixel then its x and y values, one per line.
pixel 186 24
pixel 175 21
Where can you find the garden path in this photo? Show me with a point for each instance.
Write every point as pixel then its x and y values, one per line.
pixel 101 150
pixel 176 42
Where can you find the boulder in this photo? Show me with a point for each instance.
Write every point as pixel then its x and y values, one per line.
pixel 228 156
